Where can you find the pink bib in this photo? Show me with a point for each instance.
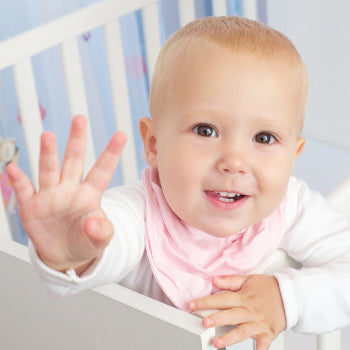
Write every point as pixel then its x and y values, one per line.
pixel 184 260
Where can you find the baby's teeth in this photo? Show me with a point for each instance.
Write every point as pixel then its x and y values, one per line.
pixel 232 194
pixel 227 194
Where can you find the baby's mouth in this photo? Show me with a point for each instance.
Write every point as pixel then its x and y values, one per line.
pixel 226 196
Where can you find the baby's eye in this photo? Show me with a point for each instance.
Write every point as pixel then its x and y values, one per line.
pixel 205 130
pixel 265 138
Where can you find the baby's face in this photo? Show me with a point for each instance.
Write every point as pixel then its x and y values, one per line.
pixel 227 139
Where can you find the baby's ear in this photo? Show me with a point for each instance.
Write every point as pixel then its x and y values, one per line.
pixel 147 132
pixel 300 145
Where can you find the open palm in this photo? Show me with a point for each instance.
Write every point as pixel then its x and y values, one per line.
pixel 64 218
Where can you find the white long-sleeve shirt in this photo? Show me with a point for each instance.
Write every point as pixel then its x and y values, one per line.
pixel 316 298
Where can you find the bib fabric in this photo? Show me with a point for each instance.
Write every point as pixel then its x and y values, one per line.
pixel 184 259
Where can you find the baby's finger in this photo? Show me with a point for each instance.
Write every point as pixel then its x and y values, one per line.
pixel 229 317
pixel 49 168
pixel 262 342
pixel 233 283
pixel 238 334
pixel 101 173
pixel 220 301
pixel 73 161
pixel 24 189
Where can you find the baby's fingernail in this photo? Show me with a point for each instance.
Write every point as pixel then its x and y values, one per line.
pixel 218 343
pixel 217 279
pixel 208 322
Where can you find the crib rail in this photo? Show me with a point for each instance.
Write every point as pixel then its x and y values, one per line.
pixel 32 320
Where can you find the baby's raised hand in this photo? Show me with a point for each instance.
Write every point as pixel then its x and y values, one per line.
pixel 253 303
pixel 64 218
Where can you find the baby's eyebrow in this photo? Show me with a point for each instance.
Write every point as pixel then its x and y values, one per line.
pixel 197 117
pixel 197 112
pixel 272 123
pixel 206 114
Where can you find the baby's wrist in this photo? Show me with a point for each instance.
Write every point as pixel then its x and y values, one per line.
pixel 79 268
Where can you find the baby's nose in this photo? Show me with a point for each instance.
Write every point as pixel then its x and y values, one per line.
pixel 233 161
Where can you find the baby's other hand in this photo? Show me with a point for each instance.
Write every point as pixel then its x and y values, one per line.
pixel 253 303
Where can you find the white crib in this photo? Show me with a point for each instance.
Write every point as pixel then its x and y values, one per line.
pixel 108 317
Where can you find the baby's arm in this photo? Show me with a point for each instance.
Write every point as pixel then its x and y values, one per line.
pixel 64 219
pixel 316 297
pixel 254 303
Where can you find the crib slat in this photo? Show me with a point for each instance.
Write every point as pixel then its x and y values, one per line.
pixel 119 90
pixel 219 7
pixel 187 11
pixel 250 9
pixel 76 92
pixel 5 232
pixel 152 35
pixel 30 113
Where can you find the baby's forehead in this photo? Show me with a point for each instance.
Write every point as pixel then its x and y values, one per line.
pixel 194 63
pixel 218 37
pixel 200 46
pixel 231 33
pixel 191 59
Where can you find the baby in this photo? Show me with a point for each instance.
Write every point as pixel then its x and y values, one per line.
pixel 228 99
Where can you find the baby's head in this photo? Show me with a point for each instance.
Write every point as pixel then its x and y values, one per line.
pixel 228 99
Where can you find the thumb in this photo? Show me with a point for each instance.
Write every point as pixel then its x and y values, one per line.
pixel 232 283
pixel 99 231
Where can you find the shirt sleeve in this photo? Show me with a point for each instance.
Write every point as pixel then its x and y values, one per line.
pixel 124 207
pixel 316 297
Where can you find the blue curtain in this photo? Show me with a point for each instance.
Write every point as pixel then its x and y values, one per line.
pixel 17 16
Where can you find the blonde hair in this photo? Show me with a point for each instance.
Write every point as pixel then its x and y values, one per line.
pixel 234 33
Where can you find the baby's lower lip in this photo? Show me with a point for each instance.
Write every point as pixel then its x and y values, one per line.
pixel 226 202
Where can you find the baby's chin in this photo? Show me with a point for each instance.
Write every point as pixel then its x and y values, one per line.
pixel 225 227
pixel 219 231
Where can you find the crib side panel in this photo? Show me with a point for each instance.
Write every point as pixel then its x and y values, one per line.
pixel 30 319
